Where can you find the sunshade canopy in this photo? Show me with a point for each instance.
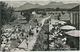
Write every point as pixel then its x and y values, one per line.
pixel 67 27
pixel 53 21
pixel 62 22
pixel 75 33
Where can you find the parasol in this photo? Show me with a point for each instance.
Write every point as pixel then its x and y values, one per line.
pixel 62 22
pixel 53 21
pixel 67 27
pixel 75 33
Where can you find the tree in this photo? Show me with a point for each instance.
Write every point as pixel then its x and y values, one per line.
pixel 59 16
pixel 28 16
pixel 57 8
pixel 6 13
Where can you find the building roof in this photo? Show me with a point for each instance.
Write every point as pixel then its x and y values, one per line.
pixel 76 8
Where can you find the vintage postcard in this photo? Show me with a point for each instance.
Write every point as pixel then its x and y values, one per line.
pixel 39 25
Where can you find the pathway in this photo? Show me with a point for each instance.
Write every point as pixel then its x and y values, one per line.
pixel 32 40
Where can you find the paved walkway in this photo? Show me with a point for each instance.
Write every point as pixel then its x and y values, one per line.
pixel 32 40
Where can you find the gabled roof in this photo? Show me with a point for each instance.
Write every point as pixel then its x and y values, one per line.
pixel 77 8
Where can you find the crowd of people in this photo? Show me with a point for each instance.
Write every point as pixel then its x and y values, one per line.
pixel 12 38
pixel 57 38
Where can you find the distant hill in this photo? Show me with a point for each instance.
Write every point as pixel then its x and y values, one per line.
pixel 15 3
pixel 54 5
pixel 27 6
pixel 60 5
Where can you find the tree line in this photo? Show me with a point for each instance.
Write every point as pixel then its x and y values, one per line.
pixel 6 15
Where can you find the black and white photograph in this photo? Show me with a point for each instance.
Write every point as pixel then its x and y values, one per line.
pixel 39 25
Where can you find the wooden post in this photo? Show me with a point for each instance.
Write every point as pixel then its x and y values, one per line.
pixel 47 32
pixel 0 25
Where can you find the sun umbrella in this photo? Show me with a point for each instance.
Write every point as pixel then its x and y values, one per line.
pixel 67 27
pixel 53 21
pixel 75 33
pixel 62 22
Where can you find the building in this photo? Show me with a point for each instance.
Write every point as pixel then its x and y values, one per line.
pixel 75 16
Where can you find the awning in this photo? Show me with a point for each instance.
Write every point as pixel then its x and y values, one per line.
pixel 67 27
pixel 75 33
pixel 62 22
pixel 53 21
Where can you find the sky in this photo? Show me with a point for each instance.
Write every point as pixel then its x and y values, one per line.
pixel 18 3
pixel 45 0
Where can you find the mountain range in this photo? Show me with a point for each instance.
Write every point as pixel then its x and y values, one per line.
pixel 54 5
